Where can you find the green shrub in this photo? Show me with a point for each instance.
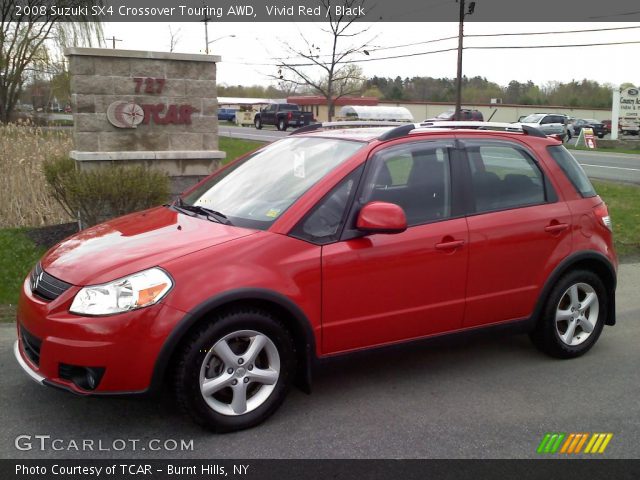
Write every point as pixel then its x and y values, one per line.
pixel 105 192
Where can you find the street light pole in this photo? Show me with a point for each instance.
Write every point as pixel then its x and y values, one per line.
pixel 206 34
pixel 472 7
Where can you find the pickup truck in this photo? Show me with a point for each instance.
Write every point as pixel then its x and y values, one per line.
pixel 283 116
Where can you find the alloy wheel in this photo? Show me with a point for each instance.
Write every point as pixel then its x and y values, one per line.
pixel 239 373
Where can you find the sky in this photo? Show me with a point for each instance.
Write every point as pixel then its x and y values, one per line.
pixel 256 44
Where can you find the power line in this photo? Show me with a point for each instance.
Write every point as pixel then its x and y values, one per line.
pixel 417 54
pixel 554 46
pixel 436 40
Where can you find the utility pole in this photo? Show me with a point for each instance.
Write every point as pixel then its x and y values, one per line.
pixel 113 41
pixel 472 7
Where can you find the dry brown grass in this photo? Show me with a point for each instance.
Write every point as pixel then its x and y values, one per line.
pixel 25 200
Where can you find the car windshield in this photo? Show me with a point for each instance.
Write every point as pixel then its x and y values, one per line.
pixel 534 118
pixel 446 114
pixel 590 120
pixel 254 192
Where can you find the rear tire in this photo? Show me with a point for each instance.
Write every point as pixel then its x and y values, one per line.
pixel 573 317
pixel 282 126
pixel 234 371
pixel 258 123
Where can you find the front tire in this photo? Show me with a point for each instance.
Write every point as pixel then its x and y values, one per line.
pixel 573 317
pixel 234 371
pixel 258 123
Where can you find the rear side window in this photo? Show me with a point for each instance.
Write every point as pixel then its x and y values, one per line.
pixel 572 170
pixel 504 177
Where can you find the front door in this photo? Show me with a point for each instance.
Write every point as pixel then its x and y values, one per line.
pixel 384 288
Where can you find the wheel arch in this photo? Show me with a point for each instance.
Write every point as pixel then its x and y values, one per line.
pixel 587 260
pixel 286 310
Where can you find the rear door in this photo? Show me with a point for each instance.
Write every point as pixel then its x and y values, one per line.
pixel 518 230
pixel 383 288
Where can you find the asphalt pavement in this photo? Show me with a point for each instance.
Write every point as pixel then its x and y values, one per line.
pixel 485 397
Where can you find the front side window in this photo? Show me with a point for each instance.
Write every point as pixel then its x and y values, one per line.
pixel 533 118
pixel 256 191
pixel 414 176
pixel 324 223
pixel 504 177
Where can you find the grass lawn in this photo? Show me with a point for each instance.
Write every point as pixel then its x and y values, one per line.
pixel 605 150
pixel 624 208
pixel 18 255
pixel 236 147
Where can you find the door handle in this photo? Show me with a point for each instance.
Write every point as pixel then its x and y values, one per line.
pixel 556 227
pixel 450 245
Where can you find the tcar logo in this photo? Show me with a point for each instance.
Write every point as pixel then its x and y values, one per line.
pixel 573 443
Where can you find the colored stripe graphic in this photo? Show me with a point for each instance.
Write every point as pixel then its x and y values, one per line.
pixel 550 443
pixel 574 443
pixel 598 442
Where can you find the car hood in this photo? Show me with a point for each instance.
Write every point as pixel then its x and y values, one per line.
pixel 133 243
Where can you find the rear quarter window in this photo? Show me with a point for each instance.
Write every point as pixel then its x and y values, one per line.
pixel 572 169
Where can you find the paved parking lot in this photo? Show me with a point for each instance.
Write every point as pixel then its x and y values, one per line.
pixel 478 398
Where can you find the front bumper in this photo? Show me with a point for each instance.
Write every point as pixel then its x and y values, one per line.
pixel 25 366
pixel 124 346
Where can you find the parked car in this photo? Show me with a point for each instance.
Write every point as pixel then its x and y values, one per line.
pixel 323 243
pixel 283 116
pixel 630 126
pixel 598 127
pixel 548 123
pixel 465 114
pixel 607 126
pixel 227 114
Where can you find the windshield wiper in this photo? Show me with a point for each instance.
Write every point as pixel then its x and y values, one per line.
pixel 204 211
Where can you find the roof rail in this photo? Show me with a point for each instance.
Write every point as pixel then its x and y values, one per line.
pixel 347 124
pixel 497 126
pixel 397 132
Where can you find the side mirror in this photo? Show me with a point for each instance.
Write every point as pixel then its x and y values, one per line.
pixel 381 217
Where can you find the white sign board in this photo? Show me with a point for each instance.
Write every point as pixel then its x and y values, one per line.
pixel 630 103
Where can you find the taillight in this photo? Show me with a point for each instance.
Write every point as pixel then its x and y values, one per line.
pixel 602 214
pixel 289 116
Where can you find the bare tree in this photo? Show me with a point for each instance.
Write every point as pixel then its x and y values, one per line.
pixel 339 77
pixel 174 38
pixel 26 38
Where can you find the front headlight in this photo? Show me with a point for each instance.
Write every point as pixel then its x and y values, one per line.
pixel 135 291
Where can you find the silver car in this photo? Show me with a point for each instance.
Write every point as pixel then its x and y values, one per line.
pixel 549 123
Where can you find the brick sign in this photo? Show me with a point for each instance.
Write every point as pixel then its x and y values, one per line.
pixel 124 114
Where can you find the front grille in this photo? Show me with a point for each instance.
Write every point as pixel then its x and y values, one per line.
pixel 31 346
pixel 45 285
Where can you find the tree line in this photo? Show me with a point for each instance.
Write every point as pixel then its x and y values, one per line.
pixel 584 93
pixel 576 93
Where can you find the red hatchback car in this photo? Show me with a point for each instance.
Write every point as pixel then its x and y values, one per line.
pixel 326 242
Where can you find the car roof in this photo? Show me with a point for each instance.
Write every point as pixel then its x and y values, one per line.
pixel 390 131
pixel 360 134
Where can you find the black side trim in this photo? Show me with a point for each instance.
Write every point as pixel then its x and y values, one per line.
pixel 308 356
pixel 510 327
pixel 565 266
